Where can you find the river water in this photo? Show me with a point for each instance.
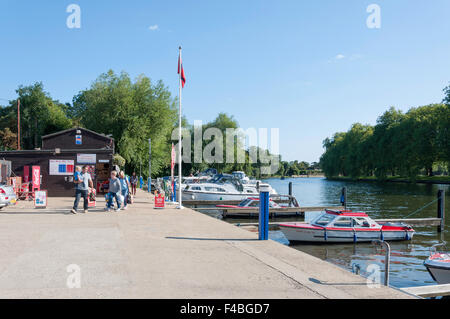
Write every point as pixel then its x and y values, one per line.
pixel 379 200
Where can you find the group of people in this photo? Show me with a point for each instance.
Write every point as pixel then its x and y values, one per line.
pixel 120 188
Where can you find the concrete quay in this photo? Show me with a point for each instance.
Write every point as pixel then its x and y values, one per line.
pixel 147 253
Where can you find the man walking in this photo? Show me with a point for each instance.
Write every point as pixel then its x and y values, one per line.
pixel 83 182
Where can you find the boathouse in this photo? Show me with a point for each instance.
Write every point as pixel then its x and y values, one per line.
pixel 59 155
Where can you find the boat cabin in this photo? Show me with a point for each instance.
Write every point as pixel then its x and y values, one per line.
pixel 345 219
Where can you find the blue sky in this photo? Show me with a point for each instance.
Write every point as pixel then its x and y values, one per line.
pixel 309 68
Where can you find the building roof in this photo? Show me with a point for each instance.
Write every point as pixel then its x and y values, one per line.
pixel 74 129
pixel 53 151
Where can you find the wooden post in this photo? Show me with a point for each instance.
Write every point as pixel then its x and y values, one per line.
pixel 290 189
pixel 18 124
pixel 441 210
pixel 344 197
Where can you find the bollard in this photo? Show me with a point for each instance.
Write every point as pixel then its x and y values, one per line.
pixel 264 211
pixel 441 210
pixel 387 260
pixel 174 194
pixel 344 197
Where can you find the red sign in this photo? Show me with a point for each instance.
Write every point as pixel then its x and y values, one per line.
pixel 36 177
pixel 26 174
pixel 159 201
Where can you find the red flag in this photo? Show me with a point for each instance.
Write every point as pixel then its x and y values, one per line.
pixel 181 70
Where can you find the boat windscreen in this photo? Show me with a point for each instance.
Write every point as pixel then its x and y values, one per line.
pixel 324 219
pixel 245 202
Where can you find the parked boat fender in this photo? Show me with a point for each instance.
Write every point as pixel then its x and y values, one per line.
pixel 407 237
pixel 382 235
pixel 325 235
pixel 355 237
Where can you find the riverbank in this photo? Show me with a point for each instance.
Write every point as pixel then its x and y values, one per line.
pixel 420 180
pixel 148 253
pixel 294 176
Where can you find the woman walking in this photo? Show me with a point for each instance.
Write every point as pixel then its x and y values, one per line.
pixel 134 182
pixel 125 185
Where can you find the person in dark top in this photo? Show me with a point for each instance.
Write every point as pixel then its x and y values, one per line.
pixel 133 182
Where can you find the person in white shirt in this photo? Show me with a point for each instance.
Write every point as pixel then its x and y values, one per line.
pixel 82 185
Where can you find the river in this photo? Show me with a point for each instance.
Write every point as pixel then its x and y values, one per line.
pixel 379 200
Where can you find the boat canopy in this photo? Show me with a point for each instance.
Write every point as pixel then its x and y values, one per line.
pixel 347 213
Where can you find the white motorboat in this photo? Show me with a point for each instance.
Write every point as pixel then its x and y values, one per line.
pixel 241 176
pixel 221 187
pixel 343 227
pixel 438 265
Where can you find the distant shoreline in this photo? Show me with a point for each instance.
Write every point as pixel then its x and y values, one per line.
pixel 420 180
pixel 295 176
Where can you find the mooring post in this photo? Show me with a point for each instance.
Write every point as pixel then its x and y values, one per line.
pixel 387 259
pixel 344 197
pixel 290 189
pixel 441 210
pixel 264 192
pixel 174 197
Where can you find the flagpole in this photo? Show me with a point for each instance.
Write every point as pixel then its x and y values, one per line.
pixel 180 158
pixel 172 173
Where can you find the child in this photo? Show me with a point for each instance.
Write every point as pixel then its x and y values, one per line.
pixel 77 174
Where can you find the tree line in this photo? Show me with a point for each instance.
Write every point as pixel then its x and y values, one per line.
pixel 129 111
pixel 400 144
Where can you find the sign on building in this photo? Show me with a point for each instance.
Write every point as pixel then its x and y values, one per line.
pixel 78 140
pixel 86 158
pixel 61 167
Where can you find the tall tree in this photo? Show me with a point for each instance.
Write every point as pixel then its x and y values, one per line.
pixel 447 95
pixel 40 115
pixel 132 112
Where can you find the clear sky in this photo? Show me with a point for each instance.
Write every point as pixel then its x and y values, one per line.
pixel 309 68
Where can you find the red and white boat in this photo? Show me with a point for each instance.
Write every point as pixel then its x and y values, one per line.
pixel 345 227
pixel 438 265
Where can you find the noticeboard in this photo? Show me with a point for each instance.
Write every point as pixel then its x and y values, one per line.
pixel 40 199
pixel 61 167
pixel 159 202
pixel 86 158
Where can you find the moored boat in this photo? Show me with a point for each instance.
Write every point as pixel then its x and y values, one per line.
pixel 250 202
pixel 344 227
pixel 221 187
pixel 438 265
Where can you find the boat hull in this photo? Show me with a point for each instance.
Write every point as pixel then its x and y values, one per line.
pixel 441 276
pixel 439 270
pixel 295 234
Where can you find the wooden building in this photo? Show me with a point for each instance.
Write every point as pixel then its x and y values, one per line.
pixel 59 155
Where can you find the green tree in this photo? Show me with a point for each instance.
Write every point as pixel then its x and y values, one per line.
pixel 132 112
pixel 447 95
pixel 40 115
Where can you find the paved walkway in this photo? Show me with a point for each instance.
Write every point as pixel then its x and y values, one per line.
pixel 147 253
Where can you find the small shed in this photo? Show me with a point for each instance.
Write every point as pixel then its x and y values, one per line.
pixel 61 152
